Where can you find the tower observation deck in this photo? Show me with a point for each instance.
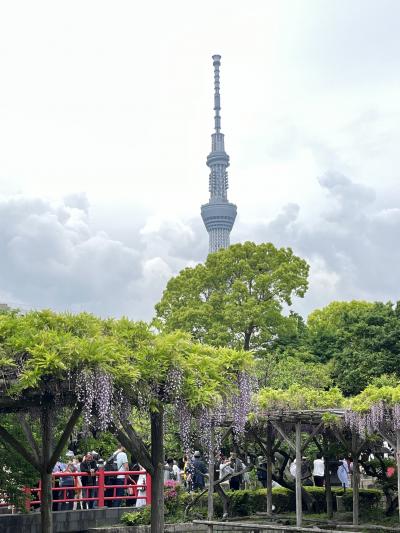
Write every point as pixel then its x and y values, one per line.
pixel 218 214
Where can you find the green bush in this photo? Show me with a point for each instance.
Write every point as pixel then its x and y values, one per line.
pixel 137 518
pixel 369 499
pixel 248 502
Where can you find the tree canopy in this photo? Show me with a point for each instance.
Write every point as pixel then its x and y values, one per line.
pixel 362 339
pixel 236 298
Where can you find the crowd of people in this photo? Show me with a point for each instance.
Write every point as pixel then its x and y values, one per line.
pixel 121 487
pixel 191 473
pixel 315 474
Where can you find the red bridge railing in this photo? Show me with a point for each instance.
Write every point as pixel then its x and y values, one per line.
pixel 99 492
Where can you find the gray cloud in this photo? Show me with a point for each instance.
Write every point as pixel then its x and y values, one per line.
pixel 351 245
pixel 52 256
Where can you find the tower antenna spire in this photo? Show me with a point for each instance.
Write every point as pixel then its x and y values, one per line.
pixel 217 96
pixel 218 214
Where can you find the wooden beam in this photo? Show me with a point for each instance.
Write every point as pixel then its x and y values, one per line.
pixel 315 431
pixel 340 436
pixel 288 441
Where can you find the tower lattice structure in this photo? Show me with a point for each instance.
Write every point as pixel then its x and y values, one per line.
pixel 218 214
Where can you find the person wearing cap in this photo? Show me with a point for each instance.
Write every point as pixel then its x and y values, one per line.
pixel 200 469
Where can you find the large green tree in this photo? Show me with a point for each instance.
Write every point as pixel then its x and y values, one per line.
pixel 361 339
pixel 236 298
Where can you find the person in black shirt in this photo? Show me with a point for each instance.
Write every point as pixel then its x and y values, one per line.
pixel 89 465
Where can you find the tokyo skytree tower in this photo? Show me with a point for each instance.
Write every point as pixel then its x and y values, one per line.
pixel 218 215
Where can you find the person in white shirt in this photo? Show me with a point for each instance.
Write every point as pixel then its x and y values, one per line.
pixel 319 471
pixel 141 491
pixel 172 471
pixel 122 466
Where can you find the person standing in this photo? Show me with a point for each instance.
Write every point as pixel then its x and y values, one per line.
pixel 89 466
pixel 199 471
pixel 122 466
pixel 343 473
pixel 318 471
pixel 68 481
pixel 57 494
pixel 237 466
pixel 262 472
pixel 141 491
pixel 76 461
pixel 171 471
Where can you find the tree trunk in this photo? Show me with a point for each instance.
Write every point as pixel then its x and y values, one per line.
pixel 46 503
pixel 46 423
pixel 157 483
pixel 247 337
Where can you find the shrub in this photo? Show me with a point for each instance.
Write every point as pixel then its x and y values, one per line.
pixel 369 499
pixel 136 518
pixel 247 502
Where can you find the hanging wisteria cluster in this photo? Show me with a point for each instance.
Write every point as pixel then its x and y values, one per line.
pixel 184 417
pixel 379 415
pixel 94 389
pixel 200 424
pixel 242 401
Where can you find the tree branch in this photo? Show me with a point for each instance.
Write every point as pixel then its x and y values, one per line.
pixel 132 442
pixel 29 436
pixel 18 447
pixel 64 437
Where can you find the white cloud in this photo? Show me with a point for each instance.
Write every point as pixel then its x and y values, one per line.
pixel 117 103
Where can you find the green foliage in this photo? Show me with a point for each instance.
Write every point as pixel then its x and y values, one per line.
pixel 136 518
pixel 373 395
pixel 235 299
pixel 248 502
pixel 297 397
pixel 104 443
pixel 50 347
pixel 361 338
pixel 291 371
pixel 369 499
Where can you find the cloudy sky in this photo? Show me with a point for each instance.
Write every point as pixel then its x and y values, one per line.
pixel 105 123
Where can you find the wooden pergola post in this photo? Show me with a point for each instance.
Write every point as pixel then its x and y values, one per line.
pixel 269 469
pixel 356 479
pixel 211 463
pixel 299 509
